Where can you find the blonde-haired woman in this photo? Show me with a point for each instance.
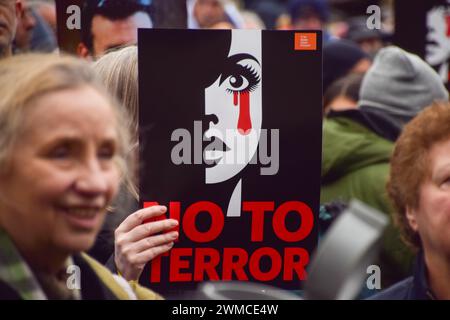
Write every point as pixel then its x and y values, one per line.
pixel 119 71
pixel 62 155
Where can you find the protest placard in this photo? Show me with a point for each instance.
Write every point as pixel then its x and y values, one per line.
pixel 230 141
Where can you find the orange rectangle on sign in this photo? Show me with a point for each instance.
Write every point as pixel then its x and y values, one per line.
pixel 305 41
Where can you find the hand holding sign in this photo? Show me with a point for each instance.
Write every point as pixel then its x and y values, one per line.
pixel 136 243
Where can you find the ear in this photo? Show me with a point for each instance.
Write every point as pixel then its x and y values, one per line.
pixel 411 216
pixel 83 51
pixel 19 9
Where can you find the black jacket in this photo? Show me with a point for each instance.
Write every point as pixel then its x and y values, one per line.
pixel 415 287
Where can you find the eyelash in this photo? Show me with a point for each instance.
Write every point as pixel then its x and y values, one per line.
pixel 248 73
pixel 63 151
pixel 106 152
pixel 59 152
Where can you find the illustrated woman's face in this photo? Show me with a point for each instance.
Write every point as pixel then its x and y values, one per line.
pixel 235 102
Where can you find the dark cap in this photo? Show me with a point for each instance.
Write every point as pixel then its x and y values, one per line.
pixel 339 57
pixel 299 9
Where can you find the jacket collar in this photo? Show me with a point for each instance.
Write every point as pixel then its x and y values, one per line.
pixel 374 120
pixel 421 289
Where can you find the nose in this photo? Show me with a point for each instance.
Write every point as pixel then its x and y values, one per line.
pixel 92 180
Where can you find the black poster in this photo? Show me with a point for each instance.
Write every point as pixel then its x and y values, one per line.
pixel 230 140
pixel 423 27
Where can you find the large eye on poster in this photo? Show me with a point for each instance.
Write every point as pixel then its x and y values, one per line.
pixel 230 139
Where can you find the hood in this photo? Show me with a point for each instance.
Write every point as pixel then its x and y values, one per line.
pixel 349 146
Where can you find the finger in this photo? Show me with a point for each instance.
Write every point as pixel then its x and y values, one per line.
pixel 152 253
pixel 138 217
pixel 154 241
pixel 148 229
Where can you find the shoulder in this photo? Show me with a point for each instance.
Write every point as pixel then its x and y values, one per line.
pixel 119 286
pixel 348 141
pixel 399 291
pixel 343 123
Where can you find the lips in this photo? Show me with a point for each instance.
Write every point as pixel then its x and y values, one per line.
pixel 215 151
pixel 213 155
pixel 82 217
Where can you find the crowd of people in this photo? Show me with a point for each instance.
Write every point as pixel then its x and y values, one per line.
pixel 69 137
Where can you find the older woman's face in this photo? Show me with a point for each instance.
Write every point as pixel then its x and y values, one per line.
pixel 62 173
pixel 432 217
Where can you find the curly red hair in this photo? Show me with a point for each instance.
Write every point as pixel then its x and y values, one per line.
pixel 410 163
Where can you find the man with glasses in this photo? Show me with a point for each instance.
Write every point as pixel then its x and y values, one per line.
pixel 10 12
pixel 107 24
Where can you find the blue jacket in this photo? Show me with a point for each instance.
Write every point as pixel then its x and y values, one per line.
pixel 415 287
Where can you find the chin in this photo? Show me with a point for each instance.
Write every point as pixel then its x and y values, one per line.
pixel 77 243
pixel 223 172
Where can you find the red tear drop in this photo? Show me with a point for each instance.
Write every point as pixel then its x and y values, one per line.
pixel 244 122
